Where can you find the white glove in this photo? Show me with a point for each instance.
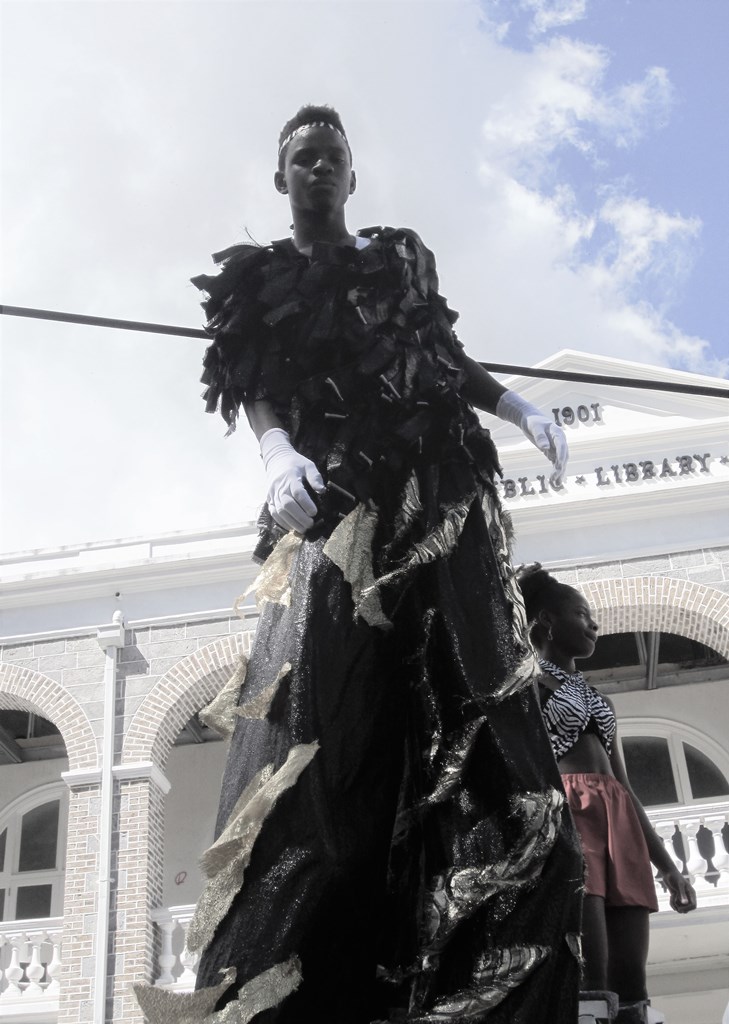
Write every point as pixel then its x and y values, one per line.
pixel 290 503
pixel 540 429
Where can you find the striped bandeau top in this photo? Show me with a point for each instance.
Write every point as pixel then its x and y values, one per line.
pixel 572 709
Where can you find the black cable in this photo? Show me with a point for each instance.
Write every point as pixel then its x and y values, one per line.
pixel 524 371
pixel 102 321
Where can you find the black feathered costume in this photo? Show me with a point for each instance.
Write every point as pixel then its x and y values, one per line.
pixel 392 837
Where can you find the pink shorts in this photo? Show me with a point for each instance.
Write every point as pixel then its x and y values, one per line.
pixel 617 865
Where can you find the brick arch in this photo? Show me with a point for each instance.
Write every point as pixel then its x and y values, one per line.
pixel 24 690
pixel 660 604
pixel 178 695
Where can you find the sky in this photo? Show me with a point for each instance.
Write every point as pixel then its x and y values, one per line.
pixel 567 161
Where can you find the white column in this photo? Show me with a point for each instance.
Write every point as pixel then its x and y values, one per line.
pixel 111 639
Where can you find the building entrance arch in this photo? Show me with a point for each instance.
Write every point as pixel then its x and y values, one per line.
pixel 182 691
pixel 22 689
pixel 645 604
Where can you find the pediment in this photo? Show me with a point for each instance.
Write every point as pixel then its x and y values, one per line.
pixel 592 410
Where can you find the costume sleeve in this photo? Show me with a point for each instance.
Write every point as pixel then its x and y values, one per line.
pixel 233 363
pixel 426 276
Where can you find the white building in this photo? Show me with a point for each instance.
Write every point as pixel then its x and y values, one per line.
pixel 109 783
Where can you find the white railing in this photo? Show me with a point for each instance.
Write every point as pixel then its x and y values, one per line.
pixel 697 838
pixel 30 968
pixel 177 966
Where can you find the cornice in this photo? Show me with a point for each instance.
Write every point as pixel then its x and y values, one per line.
pixel 148 575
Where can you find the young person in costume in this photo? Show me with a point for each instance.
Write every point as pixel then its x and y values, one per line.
pixel 390 846
pixel 618 840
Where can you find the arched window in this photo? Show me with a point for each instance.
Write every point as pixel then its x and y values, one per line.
pixel 32 854
pixel 671 763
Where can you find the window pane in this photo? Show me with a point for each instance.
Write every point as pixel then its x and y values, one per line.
pixel 39 838
pixel 2 904
pixel 648 764
pixel 680 650
pixel 614 650
pixel 33 901
pixel 22 725
pixel 705 778
pixel 3 838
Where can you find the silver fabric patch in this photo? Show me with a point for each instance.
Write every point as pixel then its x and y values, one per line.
pixel 273 581
pixel 408 512
pixel 226 861
pixel 442 540
pixel 574 944
pixel 350 548
pixel 527 670
pixel 458 893
pixel 455 763
pixel 265 991
pixel 499 973
pixel 160 1006
pixel 260 705
pixel 220 712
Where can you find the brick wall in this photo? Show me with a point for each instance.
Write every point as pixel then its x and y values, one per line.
pixel 709 567
pixel 167 673
pixel 79 906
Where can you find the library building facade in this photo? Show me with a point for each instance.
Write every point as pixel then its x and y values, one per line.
pixel 109 778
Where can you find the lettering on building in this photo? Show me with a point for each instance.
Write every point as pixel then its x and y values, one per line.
pixel 617 473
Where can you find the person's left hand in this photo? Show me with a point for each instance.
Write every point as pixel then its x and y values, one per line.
pixel 539 429
pixel 683 894
pixel 550 440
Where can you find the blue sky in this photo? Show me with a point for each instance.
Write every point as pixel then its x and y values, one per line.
pixel 683 166
pixel 567 161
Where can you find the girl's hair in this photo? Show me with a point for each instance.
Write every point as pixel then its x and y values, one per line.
pixel 541 591
pixel 310 114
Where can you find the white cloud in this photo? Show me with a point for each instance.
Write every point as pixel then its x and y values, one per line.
pixel 135 146
pixel 646 240
pixel 559 99
pixel 551 14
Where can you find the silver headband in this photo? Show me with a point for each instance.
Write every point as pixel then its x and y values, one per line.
pixel 306 127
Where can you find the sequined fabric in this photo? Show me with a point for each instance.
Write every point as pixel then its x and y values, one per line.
pixel 262 993
pixel 414 855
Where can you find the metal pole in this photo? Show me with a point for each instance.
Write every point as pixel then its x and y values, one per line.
pixel 110 638
pixel 508 368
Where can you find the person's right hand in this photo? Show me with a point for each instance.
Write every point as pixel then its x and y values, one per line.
pixel 291 505
pixel 682 893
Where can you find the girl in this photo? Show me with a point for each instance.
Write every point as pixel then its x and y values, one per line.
pixel 388 845
pixel 618 841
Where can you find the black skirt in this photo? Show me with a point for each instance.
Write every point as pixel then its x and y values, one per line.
pixel 419 864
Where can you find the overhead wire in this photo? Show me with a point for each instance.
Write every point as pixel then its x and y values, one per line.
pixel 505 368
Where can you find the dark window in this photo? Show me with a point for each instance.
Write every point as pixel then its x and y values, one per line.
pixel 33 901
pixel 680 650
pixel 614 650
pixel 705 778
pixel 3 838
pixel 649 768
pixel 24 725
pixel 39 838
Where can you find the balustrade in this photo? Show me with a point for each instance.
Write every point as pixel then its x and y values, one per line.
pixel 177 966
pixel 30 967
pixel 697 838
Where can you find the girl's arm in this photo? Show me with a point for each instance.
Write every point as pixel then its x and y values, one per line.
pixel 683 897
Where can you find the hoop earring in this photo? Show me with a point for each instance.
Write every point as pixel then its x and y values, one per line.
pixel 549 634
